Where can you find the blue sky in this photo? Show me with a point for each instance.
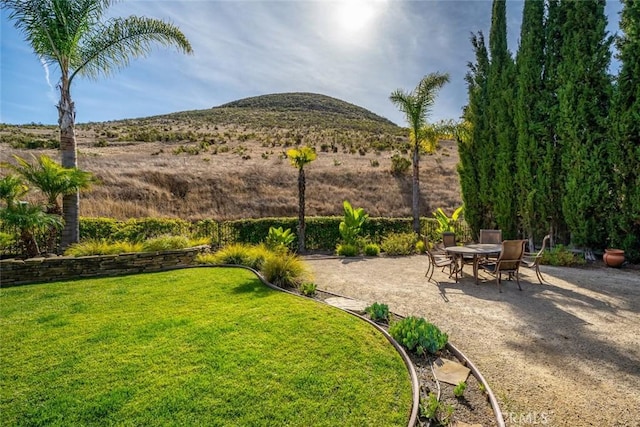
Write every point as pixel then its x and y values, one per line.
pixel 355 50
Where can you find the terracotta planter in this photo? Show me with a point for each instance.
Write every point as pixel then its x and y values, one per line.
pixel 613 257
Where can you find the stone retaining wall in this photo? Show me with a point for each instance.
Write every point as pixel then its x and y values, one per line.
pixel 18 272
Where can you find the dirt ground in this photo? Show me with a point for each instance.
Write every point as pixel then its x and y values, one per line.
pixel 566 353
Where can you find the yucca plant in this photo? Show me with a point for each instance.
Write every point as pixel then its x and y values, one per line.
pixel 279 239
pixel 351 226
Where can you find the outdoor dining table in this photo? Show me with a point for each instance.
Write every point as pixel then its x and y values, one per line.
pixel 476 250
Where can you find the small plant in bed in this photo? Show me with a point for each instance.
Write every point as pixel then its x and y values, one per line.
pixel 308 289
pixel 378 312
pixel 418 335
pixel 458 391
pixel 436 411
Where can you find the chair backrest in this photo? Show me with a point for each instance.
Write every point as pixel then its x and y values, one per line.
pixel 544 245
pixel 448 239
pixel 490 236
pixel 511 254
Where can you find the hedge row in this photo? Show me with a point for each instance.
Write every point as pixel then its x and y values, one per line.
pixel 321 232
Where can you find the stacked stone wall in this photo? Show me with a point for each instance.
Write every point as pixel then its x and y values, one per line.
pixel 19 272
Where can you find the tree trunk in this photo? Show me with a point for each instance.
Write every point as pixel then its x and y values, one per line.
pixel 30 243
pixel 416 188
pixel 301 224
pixel 68 150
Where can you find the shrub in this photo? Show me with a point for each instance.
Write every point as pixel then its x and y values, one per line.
pixel 371 249
pixel 420 247
pixel 284 270
pixel 377 312
pixel 347 249
pixel 418 335
pixel 561 256
pixel 6 241
pixel 399 165
pixel 399 244
pixel 307 288
pixel 102 247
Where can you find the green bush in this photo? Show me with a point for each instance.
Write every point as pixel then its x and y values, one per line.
pixel 371 249
pixel 378 312
pixel 399 165
pixel 284 270
pixel 418 335
pixel 561 256
pixel 347 249
pixel 140 229
pixel 399 244
pixel 6 241
pixel 420 247
pixel 307 288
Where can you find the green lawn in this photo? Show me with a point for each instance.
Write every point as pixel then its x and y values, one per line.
pixel 205 346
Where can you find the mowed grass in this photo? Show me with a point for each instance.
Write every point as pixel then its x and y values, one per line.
pixel 205 346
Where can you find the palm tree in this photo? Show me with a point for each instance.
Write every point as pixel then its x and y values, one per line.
pixel 72 35
pixel 52 179
pixel 30 220
pixel 416 106
pixel 11 189
pixel 299 158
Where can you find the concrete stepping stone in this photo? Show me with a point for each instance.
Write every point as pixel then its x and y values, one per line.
pixel 347 304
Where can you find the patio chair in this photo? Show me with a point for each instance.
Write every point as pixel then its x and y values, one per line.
pixel 448 238
pixel 532 260
pixel 508 262
pixel 439 261
pixel 490 236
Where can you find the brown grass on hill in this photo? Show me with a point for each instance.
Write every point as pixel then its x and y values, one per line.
pixel 230 163
pixel 140 181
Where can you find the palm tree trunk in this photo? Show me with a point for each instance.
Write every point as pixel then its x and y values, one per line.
pixel 301 203
pixel 68 150
pixel 416 188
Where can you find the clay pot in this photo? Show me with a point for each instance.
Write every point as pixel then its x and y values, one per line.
pixel 613 257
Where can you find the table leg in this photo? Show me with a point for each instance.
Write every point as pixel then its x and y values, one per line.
pixel 475 267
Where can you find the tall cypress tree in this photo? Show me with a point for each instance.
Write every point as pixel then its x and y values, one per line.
pixel 625 224
pixel 472 137
pixel 502 142
pixel 584 101
pixel 552 176
pixel 530 118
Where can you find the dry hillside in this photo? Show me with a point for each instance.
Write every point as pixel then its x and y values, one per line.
pixel 228 162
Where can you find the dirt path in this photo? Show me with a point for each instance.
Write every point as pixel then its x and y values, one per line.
pixel 562 354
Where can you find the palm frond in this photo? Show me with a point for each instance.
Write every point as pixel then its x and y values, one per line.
pixel 111 46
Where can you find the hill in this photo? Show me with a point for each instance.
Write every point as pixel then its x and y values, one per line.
pixel 229 161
